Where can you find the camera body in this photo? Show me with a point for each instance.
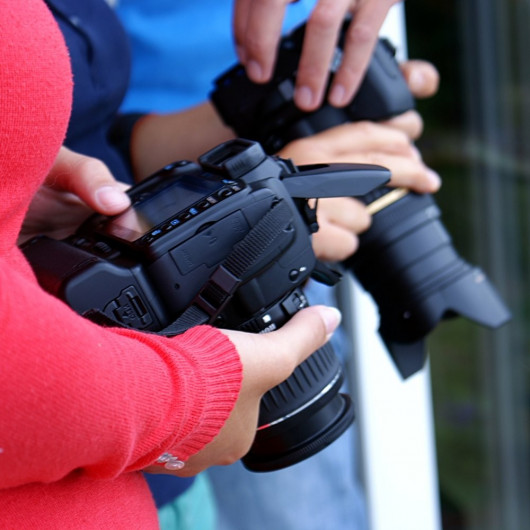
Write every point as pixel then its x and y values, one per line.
pixel 225 242
pixel 267 113
pixel 405 260
pixel 143 268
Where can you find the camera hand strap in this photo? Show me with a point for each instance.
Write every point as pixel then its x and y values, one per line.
pixel 261 241
pixel 225 280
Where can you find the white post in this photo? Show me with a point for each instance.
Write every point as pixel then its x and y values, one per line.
pixel 394 415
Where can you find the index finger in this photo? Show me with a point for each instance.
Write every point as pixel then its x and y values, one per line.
pixel 89 179
pixel 320 40
pixel 360 40
pixel 257 31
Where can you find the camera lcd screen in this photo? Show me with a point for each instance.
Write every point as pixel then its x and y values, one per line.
pixel 158 207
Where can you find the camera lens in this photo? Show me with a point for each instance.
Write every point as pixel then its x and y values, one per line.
pixel 305 413
pixel 406 261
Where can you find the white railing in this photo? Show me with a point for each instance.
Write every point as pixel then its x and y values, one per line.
pixel 396 430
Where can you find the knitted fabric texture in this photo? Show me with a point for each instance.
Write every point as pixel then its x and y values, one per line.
pixel 35 101
pixel 82 408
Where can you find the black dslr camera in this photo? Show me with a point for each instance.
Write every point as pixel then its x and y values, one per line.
pixel 406 260
pixel 226 242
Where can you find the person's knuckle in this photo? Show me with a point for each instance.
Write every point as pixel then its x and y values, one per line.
pixel 375 158
pixel 324 17
pixel 90 167
pixel 359 34
pixel 257 46
pixel 399 141
pixel 367 128
pixel 364 220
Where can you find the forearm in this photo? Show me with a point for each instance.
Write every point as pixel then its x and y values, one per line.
pixel 159 139
pixel 103 401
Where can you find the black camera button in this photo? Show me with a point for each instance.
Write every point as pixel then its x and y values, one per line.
pixel 170 225
pixel 151 236
pixel 206 203
pixel 82 242
pixel 192 212
pixel 294 274
pixel 294 302
pixel 224 193
pixel 104 249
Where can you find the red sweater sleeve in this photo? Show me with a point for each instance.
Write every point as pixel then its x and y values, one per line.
pixel 77 396
pixel 78 400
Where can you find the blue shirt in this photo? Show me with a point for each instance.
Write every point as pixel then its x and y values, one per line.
pixel 186 62
pixel 100 56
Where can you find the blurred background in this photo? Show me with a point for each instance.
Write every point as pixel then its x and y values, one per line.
pixel 477 137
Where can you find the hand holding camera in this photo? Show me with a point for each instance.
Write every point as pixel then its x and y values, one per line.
pixel 267 359
pixel 405 260
pixel 257 27
pixel 228 243
pixel 75 187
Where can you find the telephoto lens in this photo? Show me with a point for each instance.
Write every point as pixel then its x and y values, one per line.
pixel 407 262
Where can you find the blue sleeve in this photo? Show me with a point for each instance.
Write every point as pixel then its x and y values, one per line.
pixel 100 57
pixel 192 43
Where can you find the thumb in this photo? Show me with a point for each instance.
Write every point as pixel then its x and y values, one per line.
pixel 270 358
pixel 422 77
pixel 310 328
pixel 89 179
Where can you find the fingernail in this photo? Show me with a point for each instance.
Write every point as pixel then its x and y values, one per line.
pixel 110 198
pixel 303 97
pixel 332 317
pixel 337 96
pixel 254 71
pixel 434 178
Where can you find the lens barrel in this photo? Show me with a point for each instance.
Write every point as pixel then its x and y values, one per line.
pixel 305 413
pixel 407 262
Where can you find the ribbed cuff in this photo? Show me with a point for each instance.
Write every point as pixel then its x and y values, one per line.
pixel 222 374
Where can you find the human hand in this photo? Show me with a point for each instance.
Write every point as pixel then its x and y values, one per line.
pixel 341 219
pixel 423 80
pixel 76 186
pixel 367 143
pixel 422 77
pixel 267 359
pixel 257 31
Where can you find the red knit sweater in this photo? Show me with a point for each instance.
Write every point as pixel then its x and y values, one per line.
pixel 82 408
